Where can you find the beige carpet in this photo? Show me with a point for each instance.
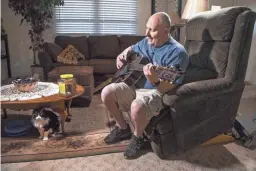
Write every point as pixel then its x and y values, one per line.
pixel 229 157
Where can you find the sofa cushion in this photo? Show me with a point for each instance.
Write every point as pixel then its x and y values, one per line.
pixel 80 63
pixel 80 43
pixel 83 63
pixel 213 25
pixel 126 41
pixel 53 50
pixel 104 47
pixel 103 66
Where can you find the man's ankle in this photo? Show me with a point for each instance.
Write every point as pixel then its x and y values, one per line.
pixel 125 126
pixel 138 135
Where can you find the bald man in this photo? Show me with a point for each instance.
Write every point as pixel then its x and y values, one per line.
pixel 162 50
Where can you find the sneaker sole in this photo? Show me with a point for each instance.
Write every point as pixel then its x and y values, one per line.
pixel 121 139
pixel 139 154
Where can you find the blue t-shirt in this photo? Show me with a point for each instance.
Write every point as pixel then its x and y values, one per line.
pixel 169 54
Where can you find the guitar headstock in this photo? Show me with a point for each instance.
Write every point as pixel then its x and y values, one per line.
pixel 170 74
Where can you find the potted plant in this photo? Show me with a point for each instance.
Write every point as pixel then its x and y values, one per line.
pixel 38 14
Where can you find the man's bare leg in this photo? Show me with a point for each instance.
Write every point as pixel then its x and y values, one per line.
pixel 139 119
pixel 109 99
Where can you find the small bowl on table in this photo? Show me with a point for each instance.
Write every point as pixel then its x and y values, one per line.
pixel 25 85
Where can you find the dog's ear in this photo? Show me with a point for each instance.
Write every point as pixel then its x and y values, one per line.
pixel 38 110
pixel 42 109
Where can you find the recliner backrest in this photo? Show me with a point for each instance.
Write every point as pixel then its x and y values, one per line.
pixel 218 43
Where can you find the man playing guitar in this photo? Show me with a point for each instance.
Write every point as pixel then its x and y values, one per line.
pixel 146 102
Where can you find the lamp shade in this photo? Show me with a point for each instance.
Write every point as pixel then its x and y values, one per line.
pixel 193 7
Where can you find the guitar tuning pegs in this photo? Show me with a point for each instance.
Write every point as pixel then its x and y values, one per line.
pixel 177 66
pixel 172 68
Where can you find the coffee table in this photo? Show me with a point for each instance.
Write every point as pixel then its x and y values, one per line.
pixel 56 102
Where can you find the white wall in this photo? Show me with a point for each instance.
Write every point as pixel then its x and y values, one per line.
pixel 144 12
pixel 251 68
pixel 21 57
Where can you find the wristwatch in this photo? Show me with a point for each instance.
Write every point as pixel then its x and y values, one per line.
pixel 156 83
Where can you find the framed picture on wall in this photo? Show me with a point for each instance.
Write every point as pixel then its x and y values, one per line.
pixel 168 6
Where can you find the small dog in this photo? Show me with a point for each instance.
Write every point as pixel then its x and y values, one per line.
pixel 45 120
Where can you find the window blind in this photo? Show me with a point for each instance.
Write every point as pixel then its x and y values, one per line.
pixel 97 17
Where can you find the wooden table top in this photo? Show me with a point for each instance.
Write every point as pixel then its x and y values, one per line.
pixel 49 99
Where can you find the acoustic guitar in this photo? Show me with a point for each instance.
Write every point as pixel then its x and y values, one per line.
pixel 132 72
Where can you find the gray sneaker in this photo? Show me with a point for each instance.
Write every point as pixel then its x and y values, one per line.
pixel 117 135
pixel 134 148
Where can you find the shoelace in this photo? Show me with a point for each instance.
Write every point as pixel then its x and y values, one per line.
pixel 117 131
pixel 136 142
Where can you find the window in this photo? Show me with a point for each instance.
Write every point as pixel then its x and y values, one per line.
pixel 97 17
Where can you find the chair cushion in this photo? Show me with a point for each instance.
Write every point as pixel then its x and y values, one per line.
pixel 213 25
pixel 126 41
pixel 104 47
pixel 80 43
pixel 53 50
pixel 197 74
pixel 211 55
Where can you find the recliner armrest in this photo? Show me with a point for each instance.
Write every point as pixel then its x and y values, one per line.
pixel 201 89
pixel 205 86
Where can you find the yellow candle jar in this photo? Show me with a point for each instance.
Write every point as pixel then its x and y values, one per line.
pixel 67 85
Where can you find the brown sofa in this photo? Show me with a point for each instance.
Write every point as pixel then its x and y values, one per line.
pixel 100 51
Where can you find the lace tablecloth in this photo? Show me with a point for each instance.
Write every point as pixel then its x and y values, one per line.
pixel 43 89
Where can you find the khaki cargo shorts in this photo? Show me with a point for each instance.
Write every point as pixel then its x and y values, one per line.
pixel 150 99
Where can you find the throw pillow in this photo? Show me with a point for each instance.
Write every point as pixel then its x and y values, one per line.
pixel 53 50
pixel 70 55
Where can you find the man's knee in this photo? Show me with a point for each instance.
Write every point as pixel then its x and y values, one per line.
pixel 108 93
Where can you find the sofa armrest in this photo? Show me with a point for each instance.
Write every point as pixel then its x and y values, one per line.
pixel 201 89
pixel 45 60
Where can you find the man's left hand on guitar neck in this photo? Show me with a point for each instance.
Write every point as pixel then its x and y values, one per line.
pixel 162 86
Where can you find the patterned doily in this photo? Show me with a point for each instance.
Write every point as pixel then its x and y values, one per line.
pixel 43 89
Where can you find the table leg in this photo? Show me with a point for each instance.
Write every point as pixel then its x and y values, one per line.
pixel 5 114
pixel 60 108
pixel 68 104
